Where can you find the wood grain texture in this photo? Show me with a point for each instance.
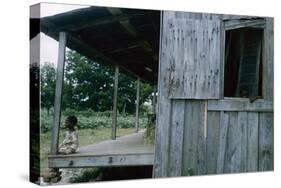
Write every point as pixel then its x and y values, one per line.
pixel 231 143
pixel 164 103
pixel 212 142
pixel 195 65
pixel 176 140
pixel 101 160
pixel 224 123
pixel 115 95
pixel 266 151
pixel 253 141
pixel 58 93
pixel 241 104
pixel 194 144
pixel 268 60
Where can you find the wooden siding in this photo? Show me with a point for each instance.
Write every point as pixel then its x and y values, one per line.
pixel 196 134
pixel 230 142
pixel 194 68
pixel 268 59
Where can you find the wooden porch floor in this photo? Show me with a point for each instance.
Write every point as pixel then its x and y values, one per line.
pixel 128 150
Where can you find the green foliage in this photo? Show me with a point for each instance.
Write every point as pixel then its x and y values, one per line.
pixel 86 175
pixel 48 75
pixel 89 119
pixel 89 85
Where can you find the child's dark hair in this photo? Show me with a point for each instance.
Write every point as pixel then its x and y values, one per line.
pixel 72 119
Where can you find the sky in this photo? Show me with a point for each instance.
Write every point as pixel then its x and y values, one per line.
pixel 49 46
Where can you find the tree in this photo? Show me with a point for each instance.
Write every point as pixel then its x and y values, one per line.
pixel 48 76
pixel 89 85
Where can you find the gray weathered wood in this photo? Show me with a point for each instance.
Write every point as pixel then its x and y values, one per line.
pixel 137 105
pixel 194 145
pixel 154 99
pixel 268 60
pixel 195 61
pixel 213 136
pixel 253 142
pixel 164 104
pixel 240 104
pixel 241 163
pixel 266 142
pixel 101 160
pixel 224 122
pixel 231 152
pixel 223 52
pixel 176 140
pixel 58 93
pixel 236 24
pixel 114 113
pixel 202 136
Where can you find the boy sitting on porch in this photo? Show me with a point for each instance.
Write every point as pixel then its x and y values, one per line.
pixel 70 142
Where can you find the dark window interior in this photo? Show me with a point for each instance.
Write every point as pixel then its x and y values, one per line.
pixel 243 63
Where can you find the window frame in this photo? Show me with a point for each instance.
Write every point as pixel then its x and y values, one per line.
pixel 231 24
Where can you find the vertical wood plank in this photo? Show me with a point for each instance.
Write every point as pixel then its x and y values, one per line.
pixel 213 135
pixel 176 140
pixel 194 49
pixel 194 151
pixel 164 104
pixel 253 131
pixel 201 110
pixel 154 98
pixel 268 60
pixel 137 105
pixel 115 94
pixel 265 141
pixel 58 93
pixel 189 142
pixel 231 143
pixel 242 145
pixel 224 122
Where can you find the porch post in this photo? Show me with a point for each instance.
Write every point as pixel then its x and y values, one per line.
pixel 137 105
pixel 154 98
pixel 58 93
pixel 114 116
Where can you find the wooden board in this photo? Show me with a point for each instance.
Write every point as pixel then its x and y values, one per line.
pixel 176 140
pixel 266 142
pixel 213 138
pixel 194 145
pixel 252 143
pixel 194 59
pixel 58 93
pixel 164 107
pixel 102 160
pixel 240 104
pixel 223 136
pixel 128 150
pixel 268 59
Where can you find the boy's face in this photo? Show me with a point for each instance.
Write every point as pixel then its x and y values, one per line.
pixel 67 124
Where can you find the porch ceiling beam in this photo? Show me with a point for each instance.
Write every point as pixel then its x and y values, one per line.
pixel 132 30
pixel 99 56
pixel 95 22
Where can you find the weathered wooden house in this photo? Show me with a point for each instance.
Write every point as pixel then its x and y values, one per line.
pixel 215 86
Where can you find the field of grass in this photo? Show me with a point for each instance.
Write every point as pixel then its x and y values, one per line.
pixel 92 128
